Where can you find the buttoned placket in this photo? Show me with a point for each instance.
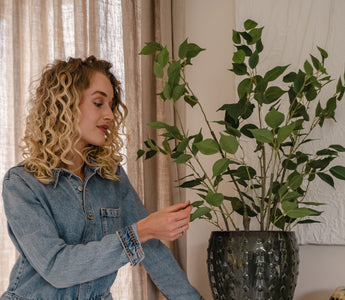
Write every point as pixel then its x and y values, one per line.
pixel 90 228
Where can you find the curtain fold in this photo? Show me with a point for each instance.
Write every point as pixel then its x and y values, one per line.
pixel 145 21
pixel 32 34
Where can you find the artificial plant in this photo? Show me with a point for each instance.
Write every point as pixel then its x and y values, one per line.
pixel 276 111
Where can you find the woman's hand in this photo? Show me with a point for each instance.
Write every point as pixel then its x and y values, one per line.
pixel 167 224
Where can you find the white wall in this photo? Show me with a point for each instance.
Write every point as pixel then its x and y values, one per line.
pixel 210 24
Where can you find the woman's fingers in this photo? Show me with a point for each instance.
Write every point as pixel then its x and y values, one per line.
pixel 167 224
pixel 177 207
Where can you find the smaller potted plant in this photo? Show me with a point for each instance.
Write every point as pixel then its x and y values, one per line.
pixel 277 112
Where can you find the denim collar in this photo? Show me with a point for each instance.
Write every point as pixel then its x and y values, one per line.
pixel 89 171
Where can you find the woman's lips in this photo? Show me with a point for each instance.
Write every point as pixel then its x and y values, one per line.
pixel 103 128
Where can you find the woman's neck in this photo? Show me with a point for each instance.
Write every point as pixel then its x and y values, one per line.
pixel 78 166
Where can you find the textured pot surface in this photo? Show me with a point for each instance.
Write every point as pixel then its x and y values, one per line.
pixel 260 265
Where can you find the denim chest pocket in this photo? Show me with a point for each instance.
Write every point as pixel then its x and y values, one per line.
pixel 111 220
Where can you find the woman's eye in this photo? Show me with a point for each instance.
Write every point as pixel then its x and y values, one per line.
pixel 98 104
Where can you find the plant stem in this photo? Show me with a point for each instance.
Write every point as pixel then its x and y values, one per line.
pixel 246 219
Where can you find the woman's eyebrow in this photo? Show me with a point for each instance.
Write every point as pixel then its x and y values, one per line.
pixel 99 92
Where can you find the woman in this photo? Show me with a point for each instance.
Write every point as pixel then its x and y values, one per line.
pixel 72 213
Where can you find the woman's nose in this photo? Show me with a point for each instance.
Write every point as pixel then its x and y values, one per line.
pixel 109 115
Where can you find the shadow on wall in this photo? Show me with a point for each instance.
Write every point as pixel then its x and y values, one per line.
pixel 317 295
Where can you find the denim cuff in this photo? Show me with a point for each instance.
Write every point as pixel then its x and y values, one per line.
pixel 130 242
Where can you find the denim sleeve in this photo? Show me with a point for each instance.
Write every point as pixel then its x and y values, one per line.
pixel 159 261
pixel 32 229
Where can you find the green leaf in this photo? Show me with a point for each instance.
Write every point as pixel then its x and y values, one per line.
pixel 289 164
pixel 338 172
pixel 198 138
pixel 239 57
pixel 163 57
pixel 191 100
pixel 166 146
pixel 278 219
pixel 178 91
pixel 262 135
pixel 274 118
pixel 151 143
pixel 323 53
pixel 140 153
pixel 299 82
pixel 313 203
pixel 290 77
pixel 338 148
pixel 174 73
pixel 295 180
pixel 321 163
pixel 207 146
pixel 158 125
pixel 151 48
pixel 234 110
pixel 228 143
pixel 193 50
pixel 201 211
pixel 239 69
pixel 311 93
pixel 150 154
pixel 273 93
pixel 190 183
pixel 220 166
pixel 326 152
pixel 246 130
pixel 302 212
pixel 326 178
pixel 214 199
pixel 197 203
pixel 245 48
pixel 301 157
pixel 283 189
pixel 182 145
pixel 183 158
pixel 229 129
pixel 275 73
pixel 255 34
pixel 339 86
pixel 291 196
pixel 253 59
pixel 288 206
pixel 307 221
pixel 183 49
pixel 158 70
pixel 308 68
pixel 236 38
pixel 167 91
pixel 244 172
pixel 249 24
pixel 259 46
pixel 246 36
pixel 284 132
pixel 317 64
pixel 330 107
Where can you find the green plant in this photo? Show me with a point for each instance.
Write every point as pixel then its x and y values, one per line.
pixel 272 186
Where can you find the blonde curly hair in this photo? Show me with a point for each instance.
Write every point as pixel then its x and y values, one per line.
pixel 52 125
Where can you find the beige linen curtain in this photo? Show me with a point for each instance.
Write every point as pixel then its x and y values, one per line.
pixel 32 34
pixel 145 21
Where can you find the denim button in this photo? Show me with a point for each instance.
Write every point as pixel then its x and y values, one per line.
pixel 80 188
pixel 90 217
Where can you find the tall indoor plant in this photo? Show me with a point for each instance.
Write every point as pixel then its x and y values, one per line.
pixel 277 111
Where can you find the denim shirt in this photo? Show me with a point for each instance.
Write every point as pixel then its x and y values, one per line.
pixel 73 236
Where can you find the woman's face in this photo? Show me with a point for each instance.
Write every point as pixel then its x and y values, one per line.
pixel 96 112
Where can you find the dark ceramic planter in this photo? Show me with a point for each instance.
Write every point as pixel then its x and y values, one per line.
pixel 260 265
